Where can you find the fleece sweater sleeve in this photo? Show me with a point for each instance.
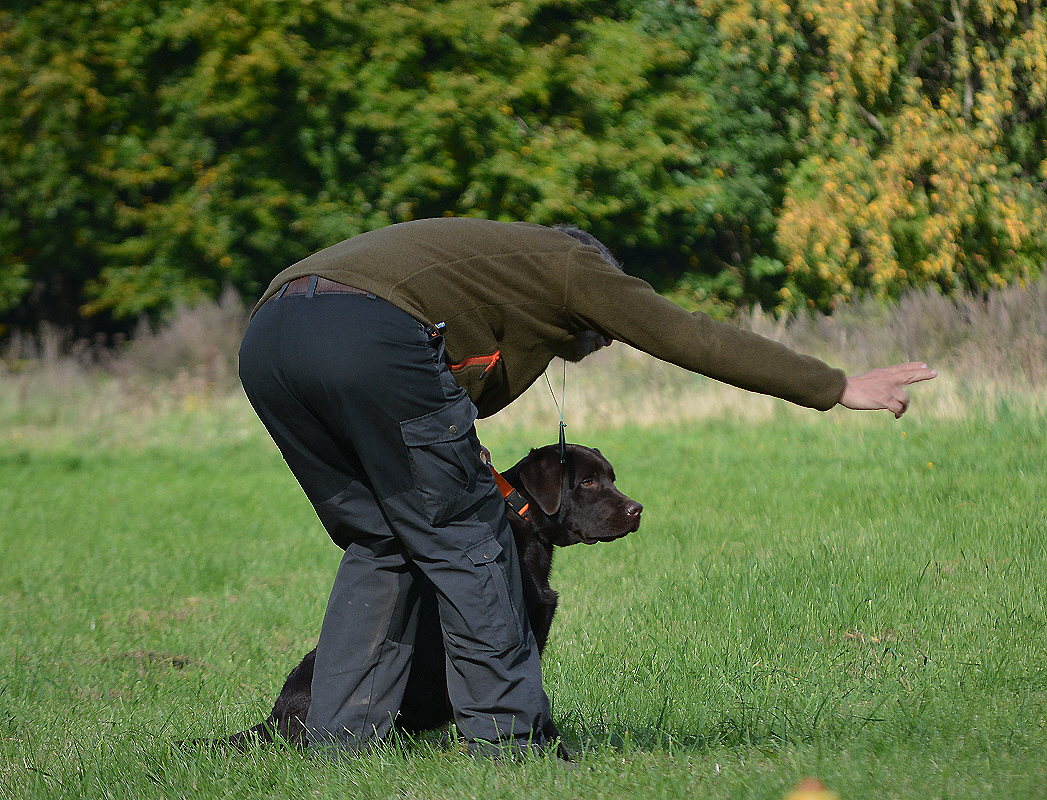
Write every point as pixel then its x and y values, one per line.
pixel 629 310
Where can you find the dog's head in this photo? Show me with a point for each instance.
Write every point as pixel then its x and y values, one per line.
pixel 578 499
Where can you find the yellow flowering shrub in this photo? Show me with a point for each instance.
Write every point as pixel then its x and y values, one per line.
pixel 925 158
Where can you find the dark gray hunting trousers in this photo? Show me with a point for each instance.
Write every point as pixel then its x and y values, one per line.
pixel 357 396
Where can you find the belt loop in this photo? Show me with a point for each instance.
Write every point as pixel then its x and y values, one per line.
pixel 283 289
pixel 312 285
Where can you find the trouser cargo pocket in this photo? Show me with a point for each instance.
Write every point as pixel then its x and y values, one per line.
pixel 499 612
pixel 444 456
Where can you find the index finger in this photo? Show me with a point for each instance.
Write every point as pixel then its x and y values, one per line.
pixel 914 372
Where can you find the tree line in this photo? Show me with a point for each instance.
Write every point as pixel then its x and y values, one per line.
pixel 795 153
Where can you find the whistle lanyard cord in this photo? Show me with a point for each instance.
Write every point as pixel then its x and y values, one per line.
pixel 560 408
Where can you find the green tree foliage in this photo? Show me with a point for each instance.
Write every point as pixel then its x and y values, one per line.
pixel 739 150
pixel 153 151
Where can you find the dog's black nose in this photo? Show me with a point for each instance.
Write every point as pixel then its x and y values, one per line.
pixel 633 510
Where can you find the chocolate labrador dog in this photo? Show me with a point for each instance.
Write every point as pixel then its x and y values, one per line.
pixel 553 501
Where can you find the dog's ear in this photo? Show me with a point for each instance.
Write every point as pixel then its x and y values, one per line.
pixel 541 479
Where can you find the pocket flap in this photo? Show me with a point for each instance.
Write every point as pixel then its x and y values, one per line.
pixel 445 425
pixel 484 552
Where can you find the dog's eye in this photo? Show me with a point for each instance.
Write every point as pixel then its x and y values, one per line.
pixel 588 481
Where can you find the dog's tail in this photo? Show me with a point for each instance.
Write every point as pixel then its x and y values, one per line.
pixel 289 731
pixel 285 724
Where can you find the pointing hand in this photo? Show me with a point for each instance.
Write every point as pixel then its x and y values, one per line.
pixel 884 388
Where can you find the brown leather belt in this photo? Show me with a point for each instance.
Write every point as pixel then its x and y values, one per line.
pixel 323 286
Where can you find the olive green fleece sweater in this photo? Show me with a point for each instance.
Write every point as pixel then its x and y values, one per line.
pixel 512 295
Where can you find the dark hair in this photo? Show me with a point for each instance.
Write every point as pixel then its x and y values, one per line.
pixel 588 239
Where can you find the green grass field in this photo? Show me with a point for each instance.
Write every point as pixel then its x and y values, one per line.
pixel 837 595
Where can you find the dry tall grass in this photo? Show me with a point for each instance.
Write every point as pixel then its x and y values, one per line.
pixel 987 350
